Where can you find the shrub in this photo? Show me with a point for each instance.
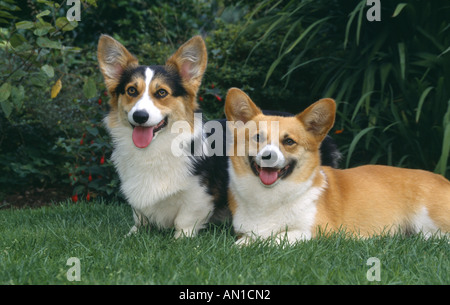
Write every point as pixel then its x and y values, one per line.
pixel 35 56
pixel 390 78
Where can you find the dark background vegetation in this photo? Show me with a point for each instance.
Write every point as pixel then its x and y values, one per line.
pixel 391 79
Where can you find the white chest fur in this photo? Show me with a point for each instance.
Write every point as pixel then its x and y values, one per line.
pixel 286 210
pixel 158 184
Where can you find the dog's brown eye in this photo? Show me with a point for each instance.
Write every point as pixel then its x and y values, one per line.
pixel 161 93
pixel 288 142
pixel 258 138
pixel 132 91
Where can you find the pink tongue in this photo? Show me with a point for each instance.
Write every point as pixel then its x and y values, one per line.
pixel 142 136
pixel 268 176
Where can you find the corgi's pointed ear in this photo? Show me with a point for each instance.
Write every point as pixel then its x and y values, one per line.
pixel 190 61
pixel 113 59
pixel 319 117
pixel 239 106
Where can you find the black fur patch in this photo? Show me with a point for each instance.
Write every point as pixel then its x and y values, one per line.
pixel 126 77
pixel 170 76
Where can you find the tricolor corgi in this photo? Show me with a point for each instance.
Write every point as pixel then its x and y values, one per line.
pixel 170 190
pixel 162 188
pixel 284 192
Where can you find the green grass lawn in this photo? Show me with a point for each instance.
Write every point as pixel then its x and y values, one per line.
pixel 35 245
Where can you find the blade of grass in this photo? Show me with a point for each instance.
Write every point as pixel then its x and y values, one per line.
pixel 355 141
pixel 291 47
pixel 398 9
pixel 441 166
pixel 401 53
pixel 360 103
pixel 421 101
pixel 352 15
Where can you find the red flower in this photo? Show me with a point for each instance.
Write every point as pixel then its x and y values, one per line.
pixel 218 98
pixel 200 98
pixel 90 178
pixel 75 198
pixel 212 86
pixel 81 142
pixel 100 101
pixel 102 160
pixel 88 196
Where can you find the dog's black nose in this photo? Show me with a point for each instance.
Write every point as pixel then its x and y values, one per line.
pixel 269 159
pixel 267 156
pixel 140 116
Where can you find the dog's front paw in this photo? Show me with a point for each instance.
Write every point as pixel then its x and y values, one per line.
pixel 185 233
pixel 243 241
pixel 133 231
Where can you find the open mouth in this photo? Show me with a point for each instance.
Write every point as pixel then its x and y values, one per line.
pixel 143 135
pixel 270 175
pixel 160 125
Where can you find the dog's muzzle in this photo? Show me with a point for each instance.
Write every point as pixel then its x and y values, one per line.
pixel 270 156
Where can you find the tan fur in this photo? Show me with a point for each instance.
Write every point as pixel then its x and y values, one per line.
pixel 113 58
pixel 183 60
pixel 365 200
pixel 374 199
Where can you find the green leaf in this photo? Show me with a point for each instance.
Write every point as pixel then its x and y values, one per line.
pixel 421 101
pixel 401 53
pixel 17 96
pixel 65 25
pixel 43 13
pixel 38 79
pixel 398 9
pixel 24 25
pixel 89 88
pixel 92 130
pixel 48 70
pixel 5 91
pixel 43 28
pixel 304 33
pixel 441 167
pixel 44 42
pixel 7 108
pixel 17 40
pixel 446 51
pixel 360 103
pixel 355 141
pixel 352 15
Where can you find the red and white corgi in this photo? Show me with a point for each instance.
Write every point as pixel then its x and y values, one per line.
pixel 284 192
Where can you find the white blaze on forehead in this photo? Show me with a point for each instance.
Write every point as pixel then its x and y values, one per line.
pixel 148 78
pixel 145 103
